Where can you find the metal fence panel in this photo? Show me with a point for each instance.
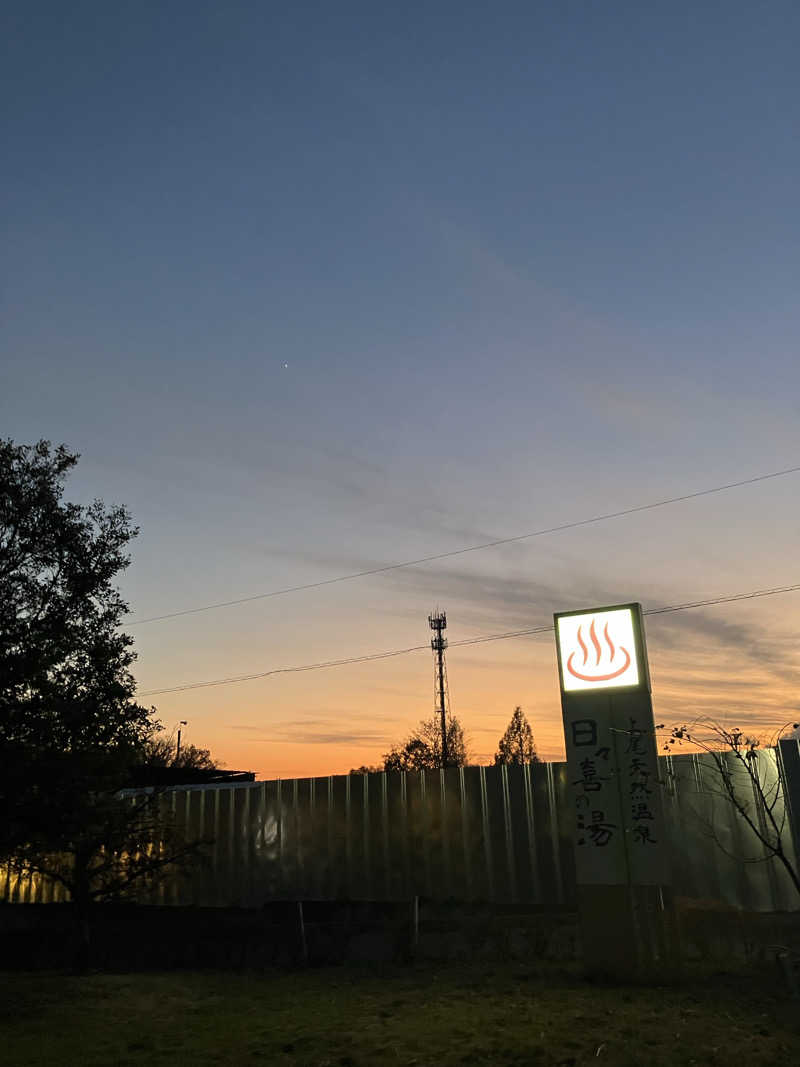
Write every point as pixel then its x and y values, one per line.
pixel 476 834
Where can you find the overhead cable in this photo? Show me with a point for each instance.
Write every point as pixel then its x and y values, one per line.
pixel 463 551
pixel 482 639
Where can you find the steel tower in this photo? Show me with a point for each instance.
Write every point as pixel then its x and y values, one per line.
pixel 438 623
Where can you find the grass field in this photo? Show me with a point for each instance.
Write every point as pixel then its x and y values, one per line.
pixel 437 1015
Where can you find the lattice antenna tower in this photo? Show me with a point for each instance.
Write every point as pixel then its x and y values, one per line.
pixel 441 696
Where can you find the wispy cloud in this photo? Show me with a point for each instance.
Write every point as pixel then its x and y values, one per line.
pixel 328 730
pixel 704 640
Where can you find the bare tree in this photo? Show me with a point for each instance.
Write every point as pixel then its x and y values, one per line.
pixel 423 748
pixel 742 781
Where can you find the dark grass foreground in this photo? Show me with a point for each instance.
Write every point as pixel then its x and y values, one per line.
pixel 436 1015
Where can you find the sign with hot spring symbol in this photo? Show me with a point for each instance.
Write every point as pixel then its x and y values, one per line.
pixel 618 829
pixel 598 650
pixel 616 804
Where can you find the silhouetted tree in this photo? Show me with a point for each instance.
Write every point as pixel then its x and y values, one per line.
pixel 423 748
pixel 517 745
pixel 365 769
pixel 70 729
pixel 162 752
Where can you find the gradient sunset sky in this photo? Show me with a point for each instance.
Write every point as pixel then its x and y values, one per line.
pixel 314 288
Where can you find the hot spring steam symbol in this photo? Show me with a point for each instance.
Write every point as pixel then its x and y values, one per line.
pixel 599 650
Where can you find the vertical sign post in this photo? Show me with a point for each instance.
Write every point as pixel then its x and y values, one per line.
pixel 621 849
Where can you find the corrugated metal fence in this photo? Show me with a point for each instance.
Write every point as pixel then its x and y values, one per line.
pixel 494 834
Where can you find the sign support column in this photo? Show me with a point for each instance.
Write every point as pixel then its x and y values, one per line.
pixel 622 855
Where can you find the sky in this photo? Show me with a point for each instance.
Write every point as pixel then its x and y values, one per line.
pixel 318 288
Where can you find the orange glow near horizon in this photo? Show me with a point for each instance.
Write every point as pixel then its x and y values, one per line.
pixel 329 721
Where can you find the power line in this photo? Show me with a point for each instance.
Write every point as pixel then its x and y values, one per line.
pixel 463 551
pixel 286 670
pixel 483 639
pixel 754 595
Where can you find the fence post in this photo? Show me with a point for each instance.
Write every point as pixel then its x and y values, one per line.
pixel 789 768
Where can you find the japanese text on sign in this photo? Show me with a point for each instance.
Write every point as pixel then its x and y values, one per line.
pixel 593 826
pixel 640 787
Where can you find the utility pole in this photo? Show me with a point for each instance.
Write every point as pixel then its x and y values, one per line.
pixel 183 722
pixel 438 623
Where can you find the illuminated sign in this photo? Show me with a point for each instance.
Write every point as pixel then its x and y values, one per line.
pixel 615 812
pixel 598 650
